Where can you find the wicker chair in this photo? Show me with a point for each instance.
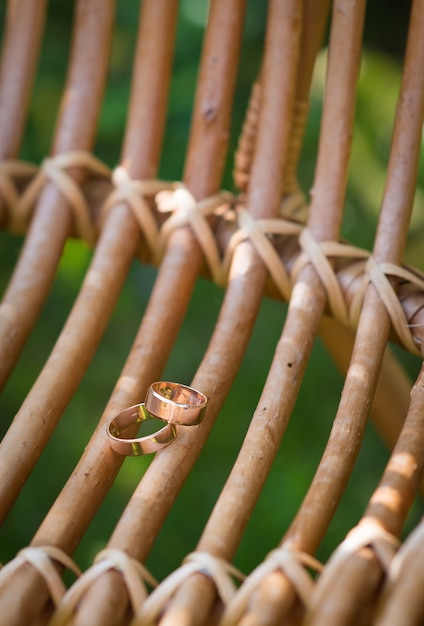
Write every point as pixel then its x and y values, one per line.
pixel 265 240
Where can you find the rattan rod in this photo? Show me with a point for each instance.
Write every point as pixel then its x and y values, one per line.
pixel 115 250
pixel 308 298
pixel 401 601
pixel 118 240
pixel 21 43
pixel 351 586
pixel 391 400
pixel 372 333
pixel 227 523
pixel 392 395
pixel 178 268
pixel 145 514
pixel 400 482
pixel 52 222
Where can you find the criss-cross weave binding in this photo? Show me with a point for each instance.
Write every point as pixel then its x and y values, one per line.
pixel 256 235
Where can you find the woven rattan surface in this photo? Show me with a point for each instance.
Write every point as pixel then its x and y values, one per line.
pixel 264 239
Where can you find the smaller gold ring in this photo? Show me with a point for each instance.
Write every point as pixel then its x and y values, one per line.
pixel 176 403
pixel 139 445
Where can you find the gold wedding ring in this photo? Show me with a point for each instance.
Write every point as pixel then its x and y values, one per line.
pixel 176 403
pixel 171 403
pixel 140 445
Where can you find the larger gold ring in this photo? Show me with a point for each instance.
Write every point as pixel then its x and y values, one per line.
pixel 139 445
pixel 176 403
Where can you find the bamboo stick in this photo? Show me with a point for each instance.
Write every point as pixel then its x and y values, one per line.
pixel 52 221
pixel 308 297
pixel 21 43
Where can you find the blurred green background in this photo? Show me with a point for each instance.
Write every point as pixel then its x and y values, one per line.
pixel 385 33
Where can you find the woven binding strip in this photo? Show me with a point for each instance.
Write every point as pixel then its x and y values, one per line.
pixel 218 570
pixel 10 173
pixel 41 559
pixel 291 563
pixel 133 573
pixel 134 192
pixel 54 169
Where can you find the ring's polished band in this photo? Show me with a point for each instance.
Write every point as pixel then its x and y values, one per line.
pixel 140 445
pixel 175 403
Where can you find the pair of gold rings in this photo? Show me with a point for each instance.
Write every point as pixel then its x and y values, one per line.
pixel 172 403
